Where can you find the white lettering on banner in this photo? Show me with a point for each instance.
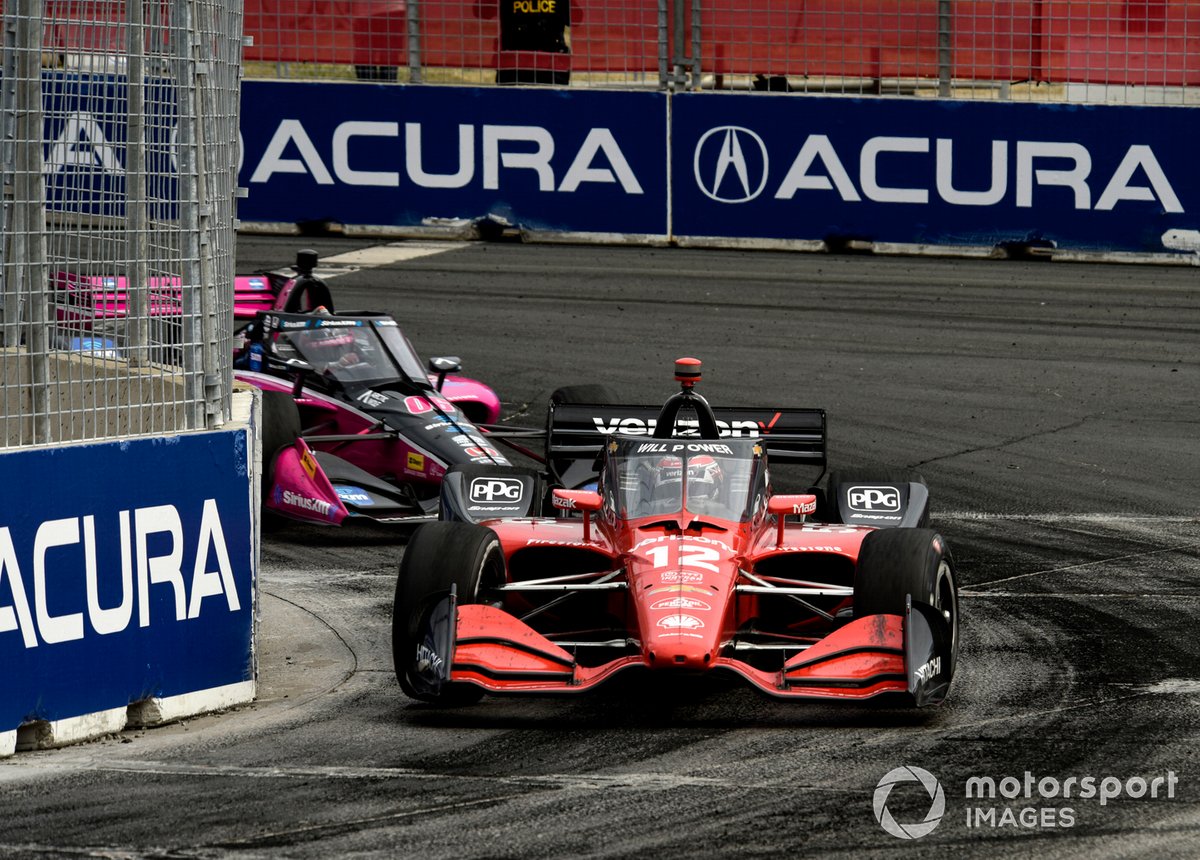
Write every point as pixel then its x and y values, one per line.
pixel 945 176
pixel 291 131
pixel 116 619
pixel 797 179
pixel 1118 187
pixel 82 143
pixel 581 170
pixel 1065 164
pixel 413 162
pixel 163 569
pixel 1075 178
pixel 866 171
pixel 587 165
pixel 537 161
pixel 341 153
pixel 60 628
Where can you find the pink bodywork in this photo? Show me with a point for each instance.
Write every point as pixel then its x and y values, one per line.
pixel 301 490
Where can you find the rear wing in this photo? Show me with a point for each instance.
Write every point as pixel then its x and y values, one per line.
pixel 251 294
pixel 576 431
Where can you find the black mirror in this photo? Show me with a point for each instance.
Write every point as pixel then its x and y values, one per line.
pixel 443 364
pixel 300 368
pixel 298 365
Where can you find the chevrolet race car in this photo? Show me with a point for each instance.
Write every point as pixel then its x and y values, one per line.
pixel 353 424
pixel 682 560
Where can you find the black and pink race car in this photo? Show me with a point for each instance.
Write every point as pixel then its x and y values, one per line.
pixel 354 424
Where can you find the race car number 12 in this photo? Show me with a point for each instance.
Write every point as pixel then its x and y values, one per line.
pixel 690 555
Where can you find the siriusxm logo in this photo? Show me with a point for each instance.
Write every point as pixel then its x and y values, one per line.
pixel 49 604
pixel 731 165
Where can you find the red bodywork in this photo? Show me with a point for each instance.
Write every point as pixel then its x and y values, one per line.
pixel 687 593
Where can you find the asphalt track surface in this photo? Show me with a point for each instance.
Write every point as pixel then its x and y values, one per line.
pixel 1053 410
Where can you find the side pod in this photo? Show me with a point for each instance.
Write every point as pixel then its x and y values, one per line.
pixel 928 661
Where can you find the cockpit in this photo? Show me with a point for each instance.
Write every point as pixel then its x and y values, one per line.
pixel 724 480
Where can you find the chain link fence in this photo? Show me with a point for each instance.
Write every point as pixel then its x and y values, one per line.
pixel 1133 51
pixel 119 130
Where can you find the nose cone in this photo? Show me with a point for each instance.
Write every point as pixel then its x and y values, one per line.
pixel 682 631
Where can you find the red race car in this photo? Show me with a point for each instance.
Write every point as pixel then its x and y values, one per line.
pixel 682 560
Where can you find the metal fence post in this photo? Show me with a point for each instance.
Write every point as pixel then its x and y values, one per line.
pixel 696 26
pixel 30 210
pixel 10 296
pixel 413 12
pixel 136 239
pixel 945 47
pixel 664 49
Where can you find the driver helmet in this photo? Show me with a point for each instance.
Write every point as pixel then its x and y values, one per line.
pixel 706 479
pixel 668 479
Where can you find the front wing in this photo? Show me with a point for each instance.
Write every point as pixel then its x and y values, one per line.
pixel 870 656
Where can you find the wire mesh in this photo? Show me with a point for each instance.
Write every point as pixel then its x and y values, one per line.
pixel 1140 51
pixel 119 124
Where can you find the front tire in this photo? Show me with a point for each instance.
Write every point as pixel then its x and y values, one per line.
pixel 896 563
pixel 439 555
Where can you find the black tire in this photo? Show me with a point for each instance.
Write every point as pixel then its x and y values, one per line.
pixel 438 555
pixel 588 393
pixel 894 563
pixel 595 393
pixel 868 475
pixel 280 428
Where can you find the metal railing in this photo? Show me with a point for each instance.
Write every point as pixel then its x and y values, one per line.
pixel 1140 51
pixel 119 128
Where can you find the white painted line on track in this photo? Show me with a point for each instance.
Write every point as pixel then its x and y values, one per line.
pixel 647 781
pixel 1067 517
pixel 1095 563
pixel 394 252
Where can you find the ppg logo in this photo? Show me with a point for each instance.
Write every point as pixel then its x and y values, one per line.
pixel 497 490
pixel 874 499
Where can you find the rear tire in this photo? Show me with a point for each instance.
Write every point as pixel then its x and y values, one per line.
pixel 894 563
pixel 588 393
pixel 561 470
pixel 439 555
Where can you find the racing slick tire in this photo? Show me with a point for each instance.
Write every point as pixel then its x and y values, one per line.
pixel 563 471
pixel 827 507
pixel 588 393
pixel 280 428
pixel 437 556
pixel 896 563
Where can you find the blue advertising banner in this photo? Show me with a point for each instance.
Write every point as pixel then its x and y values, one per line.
pixel 85 129
pixel 567 160
pixel 933 172
pixel 126 572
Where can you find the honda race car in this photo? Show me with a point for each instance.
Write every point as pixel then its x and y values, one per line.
pixel 682 560
pixel 353 423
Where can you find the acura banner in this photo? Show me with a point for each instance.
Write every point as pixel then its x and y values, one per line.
pixel 933 172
